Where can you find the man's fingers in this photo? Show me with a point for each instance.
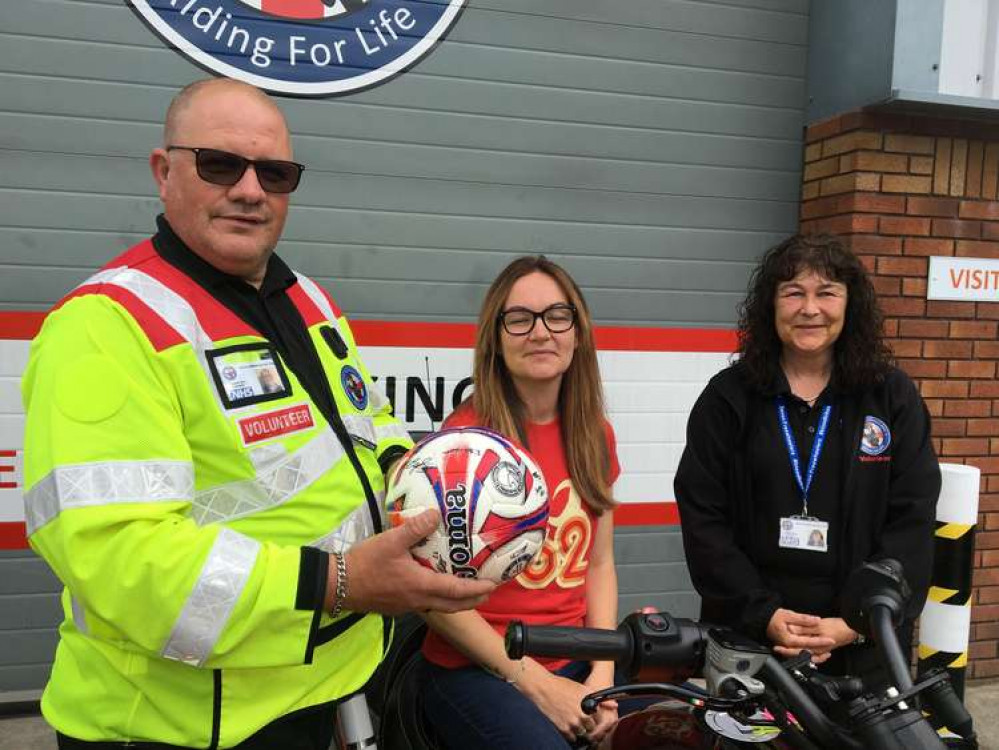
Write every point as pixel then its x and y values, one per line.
pixel 418 527
pixel 447 593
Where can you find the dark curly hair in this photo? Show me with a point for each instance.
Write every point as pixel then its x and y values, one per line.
pixel 860 356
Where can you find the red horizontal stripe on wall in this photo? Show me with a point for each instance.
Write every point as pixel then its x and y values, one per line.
pixel 615 338
pixel 20 325
pixel 409 333
pixel 24 325
pixel 7 454
pixel 13 535
pixel 647 514
pixel 612 338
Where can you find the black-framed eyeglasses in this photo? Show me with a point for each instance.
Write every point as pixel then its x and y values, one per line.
pixel 519 321
pixel 225 168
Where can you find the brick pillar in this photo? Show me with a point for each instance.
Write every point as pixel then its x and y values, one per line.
pixel 899 189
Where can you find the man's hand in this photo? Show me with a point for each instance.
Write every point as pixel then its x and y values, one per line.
pixel 384 577
pixel 793 632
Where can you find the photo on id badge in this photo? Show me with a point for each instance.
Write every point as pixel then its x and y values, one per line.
pixel 809 534
pixel 247 374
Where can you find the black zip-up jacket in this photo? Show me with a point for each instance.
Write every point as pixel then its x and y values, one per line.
pixel 887 504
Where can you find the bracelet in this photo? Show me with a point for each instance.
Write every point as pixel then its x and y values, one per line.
pixel 340 593
pixel 520 673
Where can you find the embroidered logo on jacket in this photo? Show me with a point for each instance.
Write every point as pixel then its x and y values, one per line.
pixel 354 387
pixel 876 436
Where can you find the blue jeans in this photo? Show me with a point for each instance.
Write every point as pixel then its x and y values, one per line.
pixel 470 708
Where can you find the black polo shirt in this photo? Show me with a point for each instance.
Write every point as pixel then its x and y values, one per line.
pixel 805 578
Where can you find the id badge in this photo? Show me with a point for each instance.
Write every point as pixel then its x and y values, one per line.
pixel 809 534
pixel 248 374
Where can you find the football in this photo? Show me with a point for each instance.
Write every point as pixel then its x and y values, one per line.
pixel 492 499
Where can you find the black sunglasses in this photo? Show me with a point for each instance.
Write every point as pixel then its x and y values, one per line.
pixel 519 321
pixel 225 168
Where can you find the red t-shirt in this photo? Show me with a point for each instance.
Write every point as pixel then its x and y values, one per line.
pixel 552 590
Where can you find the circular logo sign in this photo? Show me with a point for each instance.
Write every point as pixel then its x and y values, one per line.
pixel 304 47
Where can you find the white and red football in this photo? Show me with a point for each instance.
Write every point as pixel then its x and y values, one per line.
pixel 491 496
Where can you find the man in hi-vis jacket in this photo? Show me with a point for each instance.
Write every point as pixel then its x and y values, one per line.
pixel 204 462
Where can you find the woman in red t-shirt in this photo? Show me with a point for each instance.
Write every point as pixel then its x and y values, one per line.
pixel 537 382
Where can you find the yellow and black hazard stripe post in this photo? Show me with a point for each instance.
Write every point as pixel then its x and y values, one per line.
pixel 945 624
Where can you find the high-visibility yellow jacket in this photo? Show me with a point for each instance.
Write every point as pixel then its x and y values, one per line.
pixel 182 484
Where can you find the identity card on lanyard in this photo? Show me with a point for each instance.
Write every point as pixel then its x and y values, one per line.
pixel 804 531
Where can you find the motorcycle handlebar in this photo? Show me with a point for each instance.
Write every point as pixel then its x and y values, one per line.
pixel 589 644
pixel 645 642
pixel 891 653
pixel 652 647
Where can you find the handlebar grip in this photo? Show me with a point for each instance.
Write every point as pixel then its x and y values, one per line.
pixel 585 644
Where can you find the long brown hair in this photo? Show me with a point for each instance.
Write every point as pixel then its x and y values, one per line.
pixel 580 401
pixel 861 358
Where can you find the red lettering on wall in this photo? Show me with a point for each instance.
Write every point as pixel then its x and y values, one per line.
pixel 7 478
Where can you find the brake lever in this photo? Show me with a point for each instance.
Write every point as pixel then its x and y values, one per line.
pixel 690 696
pixel 795 664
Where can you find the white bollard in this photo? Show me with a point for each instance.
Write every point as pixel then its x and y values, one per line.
pixel 945 623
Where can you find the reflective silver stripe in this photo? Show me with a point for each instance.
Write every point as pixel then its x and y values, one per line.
pixel 361 426
pixel 378 399
pixel 267 457
pixel 314 293
pixel 355 528
pixel 79 615
pixel 165 302
pixel 106 483
pixel 391 431
pixel 279 478
pixel 169 305
pixel 213 598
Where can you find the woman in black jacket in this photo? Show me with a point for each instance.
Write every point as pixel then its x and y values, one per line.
pixel 806 457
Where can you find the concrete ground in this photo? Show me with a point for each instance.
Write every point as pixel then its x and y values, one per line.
pixel 30 732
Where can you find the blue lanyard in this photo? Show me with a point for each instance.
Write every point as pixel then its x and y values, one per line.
pixel 792 448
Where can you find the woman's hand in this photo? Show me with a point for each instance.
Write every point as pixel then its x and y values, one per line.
pixel 793 632
pixel 837 629
pixel 606 715
pixel 559 699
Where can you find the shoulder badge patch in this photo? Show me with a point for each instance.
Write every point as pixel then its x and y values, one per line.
pixel 354 387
